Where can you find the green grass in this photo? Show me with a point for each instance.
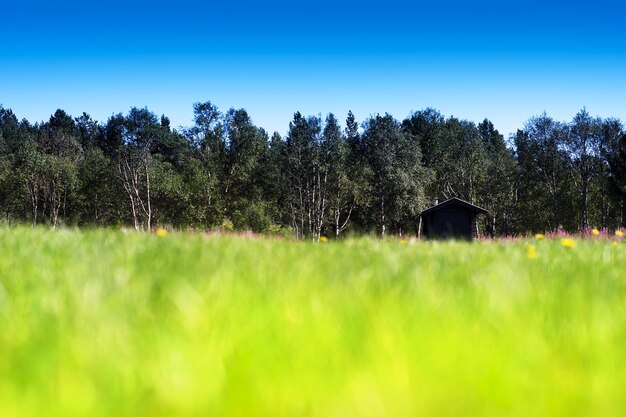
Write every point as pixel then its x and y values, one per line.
pixel 101 323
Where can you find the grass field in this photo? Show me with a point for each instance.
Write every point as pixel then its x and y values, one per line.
pixel 102 323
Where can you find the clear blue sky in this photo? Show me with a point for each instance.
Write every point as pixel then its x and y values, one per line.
pixel 503 60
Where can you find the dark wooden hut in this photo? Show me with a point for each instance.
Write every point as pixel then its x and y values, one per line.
pixel 454 218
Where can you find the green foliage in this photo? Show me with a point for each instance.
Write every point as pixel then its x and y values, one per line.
pixel 99 198
pixel 498 191
pixel 396 176
pixel 227 225
pixel 321 179
pixel 170 194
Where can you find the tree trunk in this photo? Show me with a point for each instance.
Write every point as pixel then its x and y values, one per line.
pixel 339 227
pixel 34 199
pixel 419 229
pixel 585 214
pixel 35 210
pixel 55 207
pixel 555 211
pixel 149 213
pixel 382 217
pixel 135 217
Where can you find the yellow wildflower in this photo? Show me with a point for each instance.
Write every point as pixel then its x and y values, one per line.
pixel 595 232
pixel 161 232
pixel 531 252
pixel 568 243
pixel 539 236
pixel 619 233
pixel 323 239
pixel 404 241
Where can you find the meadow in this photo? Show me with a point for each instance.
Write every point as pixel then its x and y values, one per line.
pixel 106 323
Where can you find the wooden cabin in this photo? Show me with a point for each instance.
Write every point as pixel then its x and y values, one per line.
pixel 452 219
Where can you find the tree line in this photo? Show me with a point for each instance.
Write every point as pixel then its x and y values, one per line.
pixel 323 178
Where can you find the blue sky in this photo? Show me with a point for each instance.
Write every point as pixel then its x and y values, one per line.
pixel 502 60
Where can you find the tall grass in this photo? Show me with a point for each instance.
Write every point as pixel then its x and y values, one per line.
pixel 102 323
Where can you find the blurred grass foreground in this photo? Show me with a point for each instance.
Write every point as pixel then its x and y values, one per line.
pixel 102 323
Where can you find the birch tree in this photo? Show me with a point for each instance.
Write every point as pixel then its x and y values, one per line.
pixel 547 159
pixel 134 163
pixel 582 143
pixel 341 196
pixel 306 177
pixel 396 174
pixel 207 137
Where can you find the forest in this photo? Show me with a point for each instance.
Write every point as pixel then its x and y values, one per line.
pixel 324 178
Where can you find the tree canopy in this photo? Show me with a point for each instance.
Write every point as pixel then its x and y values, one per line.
pixel 322 178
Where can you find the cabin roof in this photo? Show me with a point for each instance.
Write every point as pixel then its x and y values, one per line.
pixel 455 202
